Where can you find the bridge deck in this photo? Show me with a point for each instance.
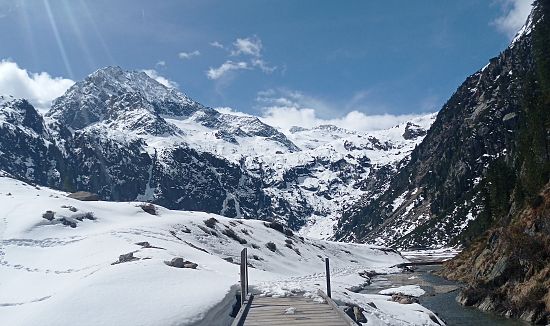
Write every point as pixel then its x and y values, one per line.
pixel 268 311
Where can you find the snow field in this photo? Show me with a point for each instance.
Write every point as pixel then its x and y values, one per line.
pixel 55 274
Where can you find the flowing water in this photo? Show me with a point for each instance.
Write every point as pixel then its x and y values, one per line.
pixel 440 298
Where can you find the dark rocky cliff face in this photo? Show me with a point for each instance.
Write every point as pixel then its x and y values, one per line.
pixel 507 269
pixel 439 197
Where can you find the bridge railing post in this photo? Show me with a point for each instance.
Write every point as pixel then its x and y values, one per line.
pixel 244 276
pixel 327 272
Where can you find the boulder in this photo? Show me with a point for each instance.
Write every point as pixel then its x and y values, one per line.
pixel 49 215
pixel 124 258
pixel 178 262
pixel 149 208
pixel 84 196
pixel 403 298
pixel 356 313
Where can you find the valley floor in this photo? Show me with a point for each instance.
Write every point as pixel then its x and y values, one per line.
pixel 67 262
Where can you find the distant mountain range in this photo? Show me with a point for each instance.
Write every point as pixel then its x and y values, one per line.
pixel 124 136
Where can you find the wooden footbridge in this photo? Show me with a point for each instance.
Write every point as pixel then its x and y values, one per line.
pixel 295 310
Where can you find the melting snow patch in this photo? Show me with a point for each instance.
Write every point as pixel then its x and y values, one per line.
pixel 412 290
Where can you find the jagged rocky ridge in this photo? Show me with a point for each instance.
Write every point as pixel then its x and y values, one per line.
pixel 507 269
pixel 438 198
pixel 124 136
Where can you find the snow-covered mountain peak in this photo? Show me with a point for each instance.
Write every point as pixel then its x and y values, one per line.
pixel 332 128
pixel 527 27
pixel 115 81
pixel 90 100
pixel 133 102
pixel 20 113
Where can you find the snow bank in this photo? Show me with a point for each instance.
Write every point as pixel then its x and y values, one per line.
pixel 56 268
pixel 412 290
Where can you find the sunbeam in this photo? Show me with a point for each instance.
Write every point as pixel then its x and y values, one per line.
pixel 96 31
pixel 78 33
pixel 58 39
pixel 27 29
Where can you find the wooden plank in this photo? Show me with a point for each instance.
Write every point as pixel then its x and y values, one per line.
pixel 283 302
pixel 269 311
pixel 281 312
pixel 292 299
pixel 297 306
pixel 311 322
pixel 313 318
pixel 298 312
pixel 286 302
pixel 335 322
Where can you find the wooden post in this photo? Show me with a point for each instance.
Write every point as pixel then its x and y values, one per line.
pixel 246 268
pixel 327 271
pixel 244 276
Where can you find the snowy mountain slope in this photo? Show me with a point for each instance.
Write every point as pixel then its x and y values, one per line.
pixel 26 146
pixel 60 264
pixel 335 168
pixel 118 164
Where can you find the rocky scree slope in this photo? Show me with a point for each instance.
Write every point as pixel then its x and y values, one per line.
pixel 507 270
pixel 124 136
pixel 440 197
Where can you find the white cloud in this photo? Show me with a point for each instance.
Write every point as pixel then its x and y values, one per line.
pixel 514 15
pixel 163 80
pixel 249 46
pixel 161 63
pixel 250 51
pixel 226 67
pixel 285 109
pixel 189 55
pixel 217 44
pixel 38 88
pixel 287 117
pixel 263 66
pixel 294 99
pixel 228 110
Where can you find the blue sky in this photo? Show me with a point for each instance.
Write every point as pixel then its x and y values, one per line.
pixel 333 57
